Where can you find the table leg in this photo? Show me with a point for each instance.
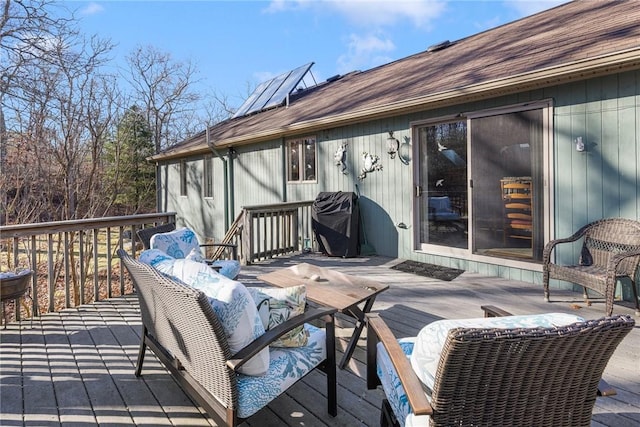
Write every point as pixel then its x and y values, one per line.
pixel 359 315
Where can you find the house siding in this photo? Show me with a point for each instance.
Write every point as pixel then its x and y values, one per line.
pixel 599 182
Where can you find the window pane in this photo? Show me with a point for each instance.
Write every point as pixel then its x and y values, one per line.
pixel 208 176
pixel 309 159
pixel 294 160
pixel 507 184
pixel 443 180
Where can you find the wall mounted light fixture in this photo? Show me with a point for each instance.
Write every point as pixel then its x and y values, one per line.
pixel 580 147
pixel 392 145
pixel 404 151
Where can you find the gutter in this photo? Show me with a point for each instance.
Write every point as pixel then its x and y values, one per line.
pixel 540 78
pixel 226 178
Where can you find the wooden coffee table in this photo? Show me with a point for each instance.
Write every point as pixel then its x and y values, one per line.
pixel 331 288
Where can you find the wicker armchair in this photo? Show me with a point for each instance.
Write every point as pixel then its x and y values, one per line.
pixel 538 376
pixel 610 250
pixel 183 331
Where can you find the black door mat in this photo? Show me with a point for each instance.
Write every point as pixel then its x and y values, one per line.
pixel 428 270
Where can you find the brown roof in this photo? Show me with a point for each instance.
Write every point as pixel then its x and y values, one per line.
pixel 574 41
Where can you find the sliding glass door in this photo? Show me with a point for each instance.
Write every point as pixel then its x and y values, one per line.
pixel 479 183
pixel 507 184
pixel 442 184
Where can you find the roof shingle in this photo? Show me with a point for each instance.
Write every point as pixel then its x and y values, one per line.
pixel 576 40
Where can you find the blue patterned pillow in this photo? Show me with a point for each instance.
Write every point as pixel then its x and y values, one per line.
pixel 155 257
pixel 276 306
pixel 178 243
pixel 183 243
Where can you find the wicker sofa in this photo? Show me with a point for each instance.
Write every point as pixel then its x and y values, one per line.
pixel 610 250
pixel 500 371
pixel 182 328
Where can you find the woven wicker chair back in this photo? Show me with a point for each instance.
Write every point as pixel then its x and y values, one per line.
pixel 524 377
pixel 610 236
pixel 145 234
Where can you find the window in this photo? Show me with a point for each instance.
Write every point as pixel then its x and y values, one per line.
pixel 207 185
pixel 301 157
pixel 183 178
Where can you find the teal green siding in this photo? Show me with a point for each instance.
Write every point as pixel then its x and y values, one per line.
pixel 599 182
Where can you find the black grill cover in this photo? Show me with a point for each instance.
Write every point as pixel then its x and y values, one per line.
pixel 336 223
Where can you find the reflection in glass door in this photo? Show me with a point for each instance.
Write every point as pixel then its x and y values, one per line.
pixel 442 184
pixel 507 182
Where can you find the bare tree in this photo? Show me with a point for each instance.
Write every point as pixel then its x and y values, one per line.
pixel 25 30
pixel 164 89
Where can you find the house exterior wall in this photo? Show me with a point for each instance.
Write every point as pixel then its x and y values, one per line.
pixel 600 182
pixel 193 210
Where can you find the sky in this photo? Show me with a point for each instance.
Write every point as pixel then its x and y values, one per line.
pixel 236 45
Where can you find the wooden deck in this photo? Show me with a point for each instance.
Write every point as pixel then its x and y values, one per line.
pixel 76 367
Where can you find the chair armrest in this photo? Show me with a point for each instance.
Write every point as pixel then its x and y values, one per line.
pixel 253 348
pixel 226 245
pixel 410 381
pixel 613 262
pixel 548 248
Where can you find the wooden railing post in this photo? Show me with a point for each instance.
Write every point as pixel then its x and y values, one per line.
pixel 274 229
pixel 67 248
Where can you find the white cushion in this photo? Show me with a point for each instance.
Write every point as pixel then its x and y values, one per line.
pixel 429 341
pixel 230 300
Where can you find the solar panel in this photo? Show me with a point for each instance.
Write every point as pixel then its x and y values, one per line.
pixel 273 92
pixel 246 106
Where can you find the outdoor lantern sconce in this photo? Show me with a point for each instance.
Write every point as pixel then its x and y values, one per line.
pixel 392 145
pixel 580 147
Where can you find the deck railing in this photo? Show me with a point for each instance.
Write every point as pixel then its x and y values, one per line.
pixel 73 260
pixel 275 229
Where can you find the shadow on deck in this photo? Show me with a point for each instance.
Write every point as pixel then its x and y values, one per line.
pixel 76 367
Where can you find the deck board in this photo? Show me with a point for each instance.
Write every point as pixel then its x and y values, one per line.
pixel 76 367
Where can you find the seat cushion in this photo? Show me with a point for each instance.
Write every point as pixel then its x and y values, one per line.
pixel 391 384
pixel 424 352
pixel 286 366
pixel 230 300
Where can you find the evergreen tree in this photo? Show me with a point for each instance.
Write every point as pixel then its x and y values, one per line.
pixel 130 176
